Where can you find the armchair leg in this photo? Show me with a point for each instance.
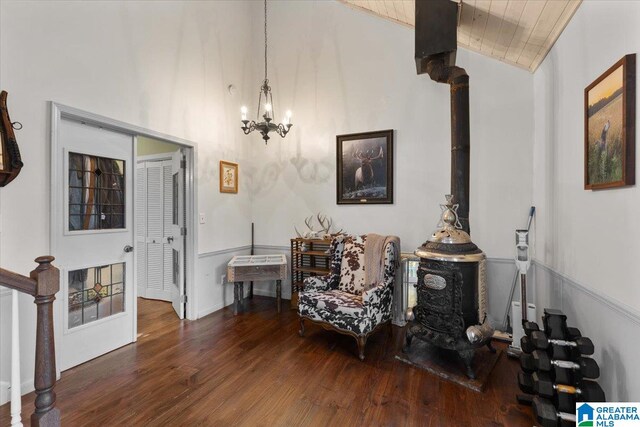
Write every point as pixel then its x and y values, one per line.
pixel 301 331
pixel 362 341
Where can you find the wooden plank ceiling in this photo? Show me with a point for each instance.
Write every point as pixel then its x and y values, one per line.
pixel 518 32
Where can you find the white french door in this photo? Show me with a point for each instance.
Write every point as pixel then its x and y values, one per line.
pixel 94 240
pixel 178 231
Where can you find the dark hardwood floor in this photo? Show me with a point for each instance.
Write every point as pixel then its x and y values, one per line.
pixel 254 370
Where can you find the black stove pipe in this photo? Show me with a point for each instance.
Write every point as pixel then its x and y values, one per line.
pixel 458 79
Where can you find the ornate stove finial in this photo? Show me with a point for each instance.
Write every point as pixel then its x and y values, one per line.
pixel 449 218
pixel 449 230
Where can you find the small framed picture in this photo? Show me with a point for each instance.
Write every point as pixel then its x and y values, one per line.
pixel 228 177
pixel 609 127
pixel 365 168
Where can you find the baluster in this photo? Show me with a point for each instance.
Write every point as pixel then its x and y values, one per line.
pixel 16 402
pixel 48 283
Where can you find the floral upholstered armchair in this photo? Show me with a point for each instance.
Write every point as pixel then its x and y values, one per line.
pixel 341 301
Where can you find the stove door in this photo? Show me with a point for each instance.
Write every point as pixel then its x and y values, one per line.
pixel 439 297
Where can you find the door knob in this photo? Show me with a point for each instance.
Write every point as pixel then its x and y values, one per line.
pixel 170 239
pixel 128 248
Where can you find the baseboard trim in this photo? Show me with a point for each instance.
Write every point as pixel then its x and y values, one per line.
pixel 26 387
pixel 267 293
pixel 612 303
pixel 209 310
pixel 4 392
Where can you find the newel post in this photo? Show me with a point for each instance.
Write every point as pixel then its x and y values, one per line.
pixel 48 284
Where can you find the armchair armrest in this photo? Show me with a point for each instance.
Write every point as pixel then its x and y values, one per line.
pixel 317 283
pixel 374 295
pixel 377 302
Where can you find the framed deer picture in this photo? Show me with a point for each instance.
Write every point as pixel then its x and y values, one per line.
pixel 610 128
pixel 365 168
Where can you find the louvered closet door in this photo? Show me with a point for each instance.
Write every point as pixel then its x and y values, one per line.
pixel 168 220
pixel 155 261
pixel 141 228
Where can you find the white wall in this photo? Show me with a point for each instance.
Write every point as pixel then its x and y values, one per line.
pixel 164 66
pixel 591 236
pixel 343 71
pixel 148 146
pixel 587 242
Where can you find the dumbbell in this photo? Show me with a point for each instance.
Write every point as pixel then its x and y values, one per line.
pixel 525 383
pixel 585 365
pixel 583 344
pixel 589 391
pixel 548 416
pixel 527 363
pixel 529 327
pixel 526 345
pixel 555 323
pixel 574 333
pixel 559 375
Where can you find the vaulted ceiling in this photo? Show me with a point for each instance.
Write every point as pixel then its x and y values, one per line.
pixel 518 32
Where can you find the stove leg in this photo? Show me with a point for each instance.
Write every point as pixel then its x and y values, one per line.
pixel 407 341
pixel 467 358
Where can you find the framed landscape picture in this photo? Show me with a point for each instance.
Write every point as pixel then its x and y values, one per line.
pixel 228 177
pixel 365 168
pixel 609 127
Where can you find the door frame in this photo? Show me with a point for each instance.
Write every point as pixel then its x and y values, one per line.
pixel 61 112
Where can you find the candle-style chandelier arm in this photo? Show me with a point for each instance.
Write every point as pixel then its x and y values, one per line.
pixel 283 129
pixel 248 126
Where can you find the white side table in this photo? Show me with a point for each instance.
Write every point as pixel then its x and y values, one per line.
pixel 255 268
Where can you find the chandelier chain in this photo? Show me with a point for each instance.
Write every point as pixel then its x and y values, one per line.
pixel 267 124
pixel 265 40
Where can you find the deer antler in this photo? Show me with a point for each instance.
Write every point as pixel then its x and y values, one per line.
pixel 322 219
pixel 357 154
pixel 297 232
pixel 379 156
pixel 308 223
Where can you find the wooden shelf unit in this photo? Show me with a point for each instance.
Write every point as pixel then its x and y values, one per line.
pixel 314 261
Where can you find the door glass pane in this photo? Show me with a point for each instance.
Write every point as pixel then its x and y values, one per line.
pixel 96 193
pixel 95 293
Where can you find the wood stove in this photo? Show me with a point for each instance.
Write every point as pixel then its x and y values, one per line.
pixel 450 311
pixel 451 291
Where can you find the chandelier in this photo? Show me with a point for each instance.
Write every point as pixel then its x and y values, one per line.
pixel 265 104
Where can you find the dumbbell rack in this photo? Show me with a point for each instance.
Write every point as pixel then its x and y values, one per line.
pixel 555 374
